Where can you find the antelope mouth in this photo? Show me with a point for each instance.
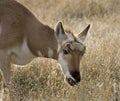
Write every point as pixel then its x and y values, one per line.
pixel 71 81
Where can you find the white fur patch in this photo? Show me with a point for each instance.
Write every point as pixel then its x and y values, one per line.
pixel 50 53
pixel 63 63
pixel 59 46
pixel 39 54
pixel 64 66
pixel 20 54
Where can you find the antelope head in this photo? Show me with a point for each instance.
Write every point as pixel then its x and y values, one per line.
pixel 70 51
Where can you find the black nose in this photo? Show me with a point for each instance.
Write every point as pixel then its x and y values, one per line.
pixel 76 76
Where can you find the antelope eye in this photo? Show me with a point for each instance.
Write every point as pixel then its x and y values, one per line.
pixel 65 52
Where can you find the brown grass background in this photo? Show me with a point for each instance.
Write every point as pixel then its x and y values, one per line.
pixel 42 79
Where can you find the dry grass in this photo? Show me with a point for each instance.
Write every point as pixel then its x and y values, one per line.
pixel 42 80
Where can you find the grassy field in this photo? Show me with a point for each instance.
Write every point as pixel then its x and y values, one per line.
pixel 42 79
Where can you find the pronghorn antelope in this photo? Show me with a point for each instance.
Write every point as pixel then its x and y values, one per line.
pixel 23 37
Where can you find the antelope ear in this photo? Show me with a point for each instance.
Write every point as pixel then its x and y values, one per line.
pixel 83 34
pixel 60 33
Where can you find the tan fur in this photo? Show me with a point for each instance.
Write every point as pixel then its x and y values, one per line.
pixel 23 37
pixel 16 24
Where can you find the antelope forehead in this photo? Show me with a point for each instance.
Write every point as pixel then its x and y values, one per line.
pixel 70 37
